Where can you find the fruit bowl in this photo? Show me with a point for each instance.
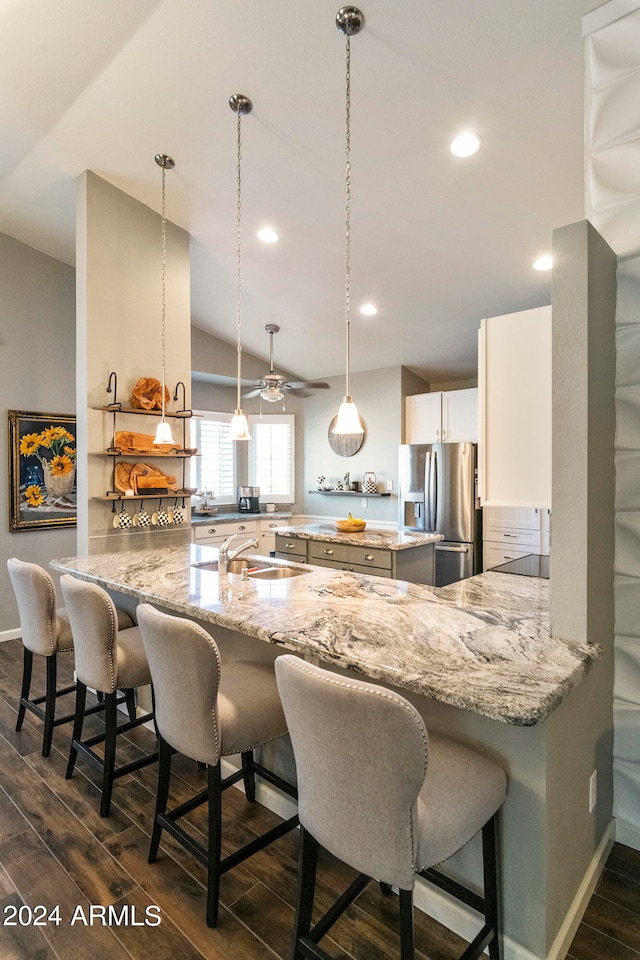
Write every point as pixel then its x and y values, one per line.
pixel 350 526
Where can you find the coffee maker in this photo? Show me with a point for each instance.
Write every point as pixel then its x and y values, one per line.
pixel 249 499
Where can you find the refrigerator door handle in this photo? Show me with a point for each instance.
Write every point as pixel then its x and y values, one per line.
pixel 452 549
pixel 429 523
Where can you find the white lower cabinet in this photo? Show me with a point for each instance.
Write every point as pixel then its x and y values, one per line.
pixel 513 532
pixel 268 535
pixel 215 534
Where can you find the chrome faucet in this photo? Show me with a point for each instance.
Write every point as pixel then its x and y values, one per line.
pixel 225 556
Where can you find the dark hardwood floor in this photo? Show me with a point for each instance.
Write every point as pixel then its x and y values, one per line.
pixel 56 851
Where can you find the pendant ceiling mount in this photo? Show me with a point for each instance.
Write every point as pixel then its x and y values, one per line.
pixel 349 20
pixel 240 104
pixel 165 161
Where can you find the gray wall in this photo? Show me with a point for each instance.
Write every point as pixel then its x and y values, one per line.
pixel 37 372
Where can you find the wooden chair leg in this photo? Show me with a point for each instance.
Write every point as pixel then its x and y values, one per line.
pixel 308 861
pixel 50 703
pixel 110 721
pixel 164 776
pixel 76 736
pixel 249 776
pixel 130 699
pixel 214 843
pixel 406 925
pixel 27 667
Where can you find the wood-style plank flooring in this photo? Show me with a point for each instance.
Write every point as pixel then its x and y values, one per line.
pixel 56 851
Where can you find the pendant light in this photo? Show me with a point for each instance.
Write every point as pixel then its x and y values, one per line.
pixel 349 21
pixel 163 433
pixel 241 105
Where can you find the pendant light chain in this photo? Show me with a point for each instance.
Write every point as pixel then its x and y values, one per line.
pixel 347 279
pixel 239 246
pixel 164 281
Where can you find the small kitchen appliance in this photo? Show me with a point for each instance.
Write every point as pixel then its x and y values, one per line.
pixel 249 499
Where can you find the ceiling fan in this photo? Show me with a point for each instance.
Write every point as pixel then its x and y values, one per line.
pixel 273 386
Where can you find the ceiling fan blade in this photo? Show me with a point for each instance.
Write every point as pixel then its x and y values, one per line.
pixel 253 393
pixel 298 392
pixel 309 385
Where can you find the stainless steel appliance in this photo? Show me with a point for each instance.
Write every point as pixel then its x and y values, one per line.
pixel 437 494
pixel 249 499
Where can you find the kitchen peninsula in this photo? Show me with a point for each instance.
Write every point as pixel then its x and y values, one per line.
pixel 476 658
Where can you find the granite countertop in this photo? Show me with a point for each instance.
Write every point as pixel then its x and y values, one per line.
pixel 370 537
pixel 482 644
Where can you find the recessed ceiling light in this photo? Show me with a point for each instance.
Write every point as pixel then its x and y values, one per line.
pixel 368 309
pixel 466 145
pixel 543 263
pixel 268 235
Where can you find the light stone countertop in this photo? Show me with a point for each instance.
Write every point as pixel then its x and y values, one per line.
pixel 370 537
pixel 482 644
pixel 198 518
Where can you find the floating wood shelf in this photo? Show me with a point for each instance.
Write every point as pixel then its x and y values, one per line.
pixel 178 414
pixel 116 452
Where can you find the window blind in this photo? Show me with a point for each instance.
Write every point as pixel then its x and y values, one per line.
pixel 272 457
pixel 214 467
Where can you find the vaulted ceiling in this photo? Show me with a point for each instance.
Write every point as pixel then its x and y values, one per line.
pixel 438 242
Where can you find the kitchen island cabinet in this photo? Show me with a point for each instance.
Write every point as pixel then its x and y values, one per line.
pixel 477 660
pixel 380 553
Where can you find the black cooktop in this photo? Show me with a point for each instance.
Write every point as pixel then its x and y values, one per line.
pixel 533 565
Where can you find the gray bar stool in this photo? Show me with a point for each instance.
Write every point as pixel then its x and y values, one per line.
pixel 205 711
pixel 386 798
pixel 46 631
pixel 108 660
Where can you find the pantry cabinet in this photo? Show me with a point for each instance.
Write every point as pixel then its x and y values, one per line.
pixel 450 416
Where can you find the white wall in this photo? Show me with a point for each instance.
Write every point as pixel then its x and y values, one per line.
pixel 119 311
pixel 37 372
pixel 612 94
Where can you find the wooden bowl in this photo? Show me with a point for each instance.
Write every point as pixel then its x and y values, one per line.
pixel 348 526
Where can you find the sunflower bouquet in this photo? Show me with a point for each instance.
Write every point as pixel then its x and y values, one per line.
pixel 55 450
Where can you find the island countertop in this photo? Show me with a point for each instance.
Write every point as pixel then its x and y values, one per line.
pixel 372 537
pixel 481 644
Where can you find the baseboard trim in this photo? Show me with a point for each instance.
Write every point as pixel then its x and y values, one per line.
pixel 627 834
pixel 10 634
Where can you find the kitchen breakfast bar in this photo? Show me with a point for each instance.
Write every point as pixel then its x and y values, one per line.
pixel 476 658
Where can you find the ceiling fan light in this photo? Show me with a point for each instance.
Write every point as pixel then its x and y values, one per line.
pixel 272 394
pixel 163 433
pixel 348 419
pixel 239 429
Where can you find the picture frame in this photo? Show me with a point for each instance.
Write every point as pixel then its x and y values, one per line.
pixel 42 470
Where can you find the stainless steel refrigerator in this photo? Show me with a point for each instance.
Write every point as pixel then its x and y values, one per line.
pixel 437 492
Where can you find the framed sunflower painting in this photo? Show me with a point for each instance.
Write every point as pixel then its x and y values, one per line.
pixel 42 470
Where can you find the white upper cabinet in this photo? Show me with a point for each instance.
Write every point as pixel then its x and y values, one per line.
pixel 514 377
pixel 450 416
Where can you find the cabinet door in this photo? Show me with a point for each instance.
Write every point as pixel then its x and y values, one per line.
pixel 460 416
pixel 423 418
pixel 514 373
pixel 493 554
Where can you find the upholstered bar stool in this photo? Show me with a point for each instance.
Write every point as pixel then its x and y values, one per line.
pixel 384 797
pixel 108 660
pixel 46 631
pixel 205 711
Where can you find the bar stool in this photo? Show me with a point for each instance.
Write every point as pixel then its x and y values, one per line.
pixel 205 711
pixel 384 797
pixel 107 660
pixel 46 631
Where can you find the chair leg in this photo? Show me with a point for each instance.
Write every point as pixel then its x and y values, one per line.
pixel 110 721
pixel 249 776
pixel 76 736
pixel 27 666
pixel 50 703
pixel 491 863
pixel 164 776
pixel 130 699
pixel 406 925
pixel 214 843
pixel 308 861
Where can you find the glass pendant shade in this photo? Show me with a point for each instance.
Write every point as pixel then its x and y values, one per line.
pixel 348 419
pixel 239 429
pixel 163 433
pixel 272 394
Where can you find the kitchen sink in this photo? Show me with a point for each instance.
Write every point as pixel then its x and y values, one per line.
pixel 259 569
